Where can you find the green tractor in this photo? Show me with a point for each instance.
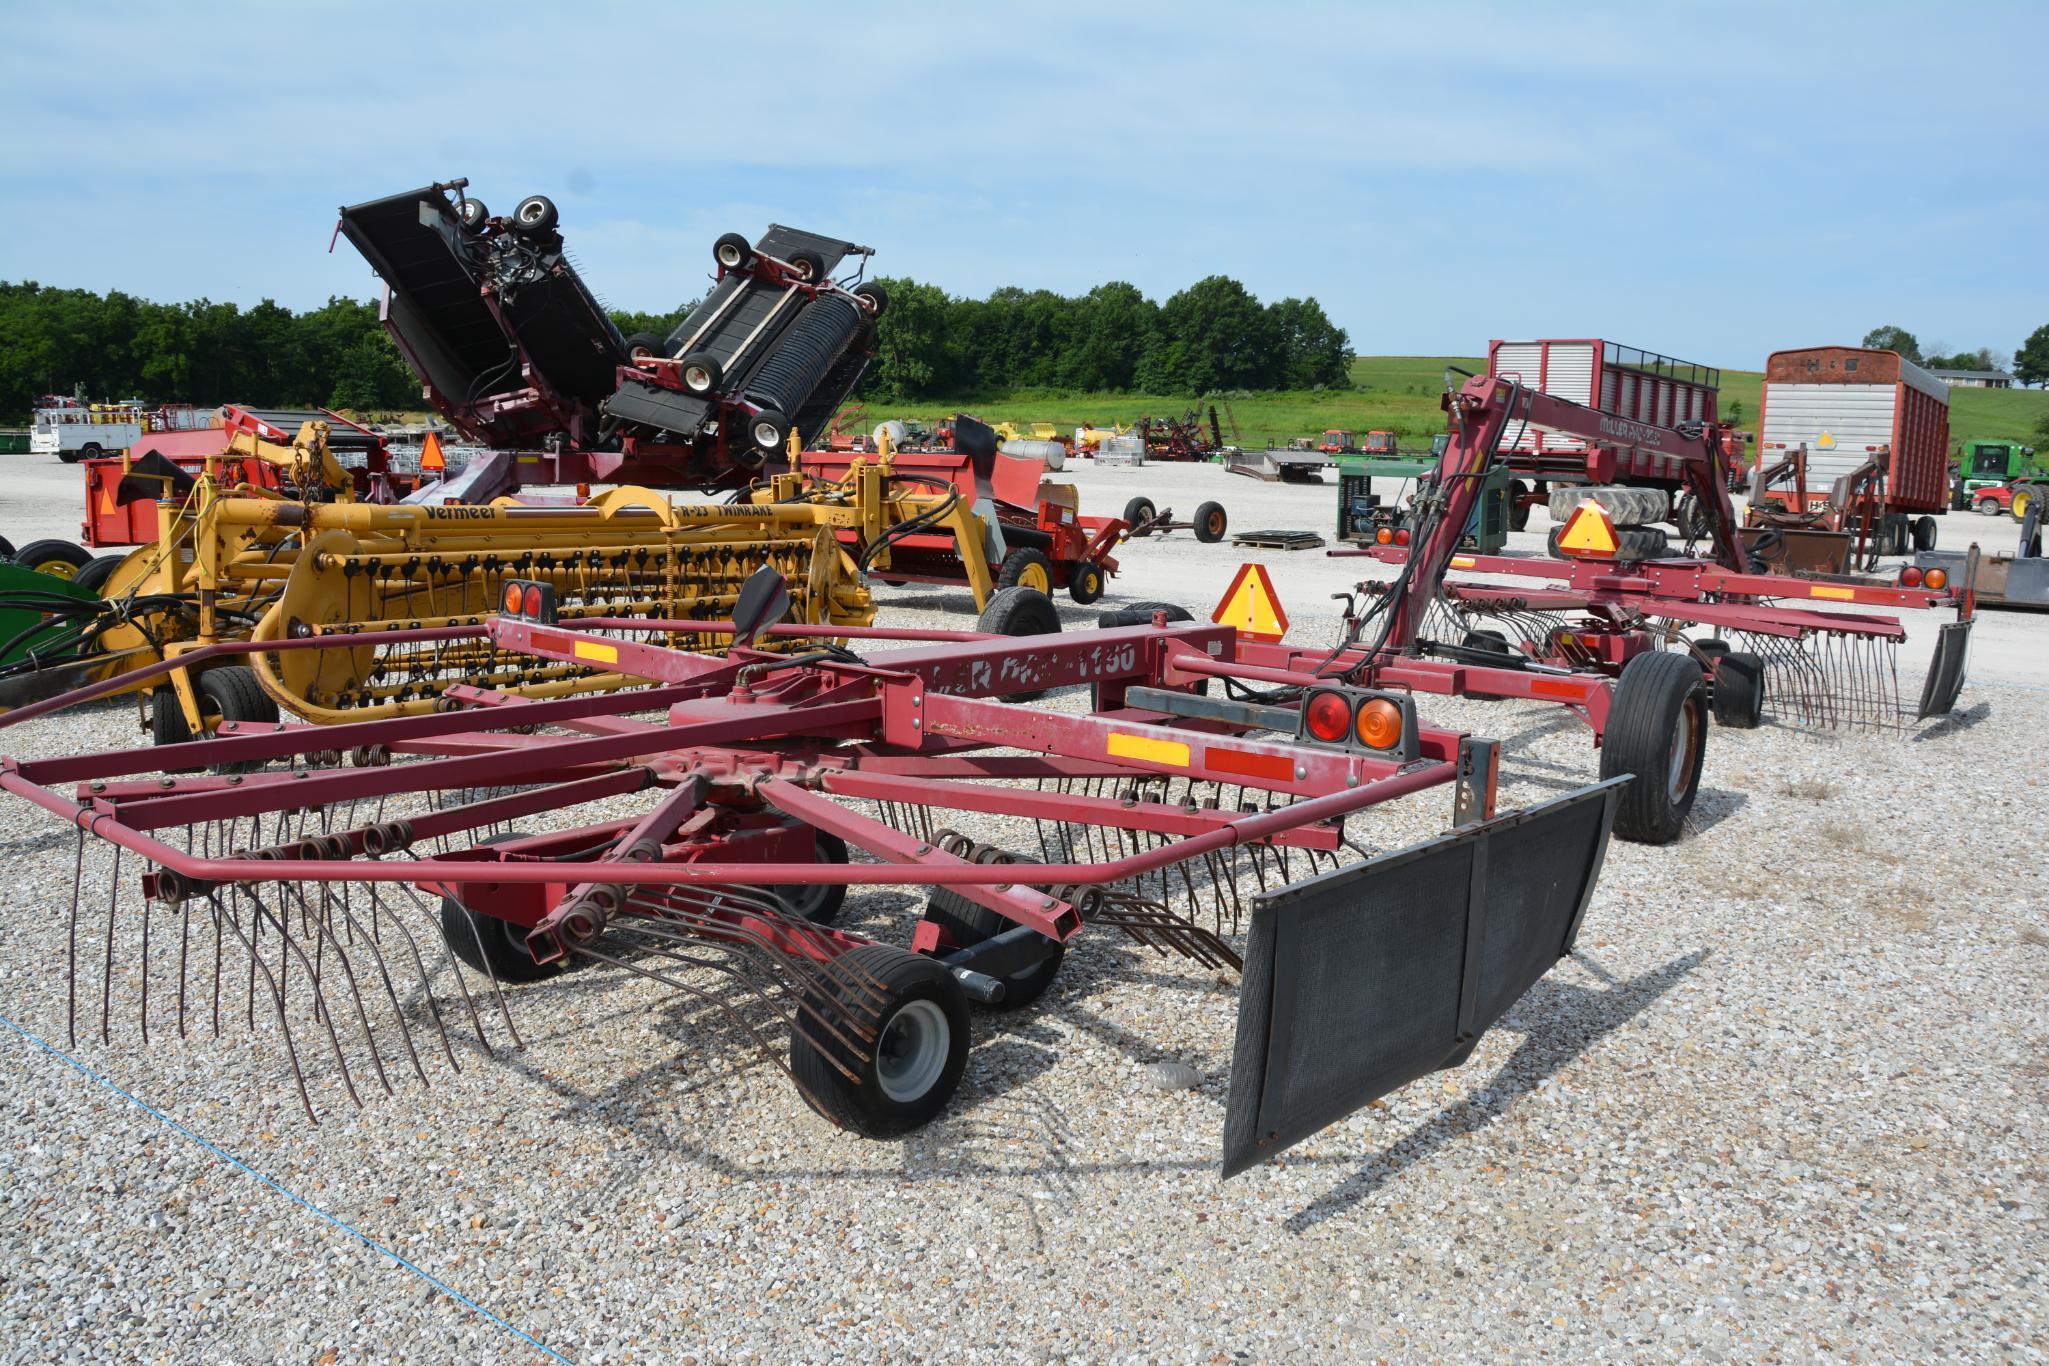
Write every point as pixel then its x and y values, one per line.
pixel 1996 477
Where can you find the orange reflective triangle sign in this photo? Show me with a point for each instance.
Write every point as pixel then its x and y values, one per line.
pixel 1588 532
pixel 107 507
pixel 430 454
pixel 1251 607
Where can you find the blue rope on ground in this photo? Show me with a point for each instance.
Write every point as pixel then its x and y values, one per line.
pixel 295 1198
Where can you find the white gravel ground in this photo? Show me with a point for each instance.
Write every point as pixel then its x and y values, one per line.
pixel 1787 1101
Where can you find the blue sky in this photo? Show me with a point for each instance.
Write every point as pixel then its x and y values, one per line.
pixel 1714 181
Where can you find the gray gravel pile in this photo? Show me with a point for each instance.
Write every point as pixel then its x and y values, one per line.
pixel 1788 1100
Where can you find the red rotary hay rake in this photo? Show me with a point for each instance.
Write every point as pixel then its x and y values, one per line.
pixel 347 887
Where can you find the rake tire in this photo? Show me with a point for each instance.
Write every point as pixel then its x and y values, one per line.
pixel 1084 581
pixel 1739 691
pixel 1019 611
pixel 1657 733
pixel 1139 511
pixel 918 1057
pixel 969 923
pixel 1211 523
pixel 494 947
pixel 818 902
pixel 231 690
pixel 59 559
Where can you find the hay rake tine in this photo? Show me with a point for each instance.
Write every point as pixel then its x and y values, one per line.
pixel 322 933
pixel 284 1024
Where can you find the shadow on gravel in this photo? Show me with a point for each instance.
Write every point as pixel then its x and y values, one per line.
pixel 1954 722
pixel 1712 806
pixel 1565 1021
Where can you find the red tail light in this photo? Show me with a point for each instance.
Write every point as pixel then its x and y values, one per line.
pixel 530 602
pixel 1910 577
pixel 1401 536
pixel 1328 715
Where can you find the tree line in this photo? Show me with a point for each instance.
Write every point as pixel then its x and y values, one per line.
pixel 1212 337
pixel 2029 361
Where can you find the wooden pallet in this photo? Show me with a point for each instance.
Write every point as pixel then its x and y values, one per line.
pixel 1279 540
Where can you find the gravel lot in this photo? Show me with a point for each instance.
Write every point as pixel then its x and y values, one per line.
pixel 1788 1100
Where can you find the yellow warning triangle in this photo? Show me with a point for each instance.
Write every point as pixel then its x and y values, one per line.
pixel 1251 607
pixel 1588 532
pixel 1826 442
pixel 430 454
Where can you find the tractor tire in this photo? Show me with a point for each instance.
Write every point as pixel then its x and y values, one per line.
pixel 1139 511
pixel 1019 611
pixel 701 373
pixel 1712 648
pixel 1084 581
pixel 1626 507
pixel 535 216
pixel 1988 507
pixel 58 559
pixel 817 902
pixel 920 1050
pixel 167 719
pixel 96 573
pixel 1518 505
pixel 1657 734
pixel 232 692
pixel 1641 543
pixel 1739 691
pixel 2023 499
pixel 969 924
pixel 1026 568
pixel 472 214
pixel 1924 532
pixel 810 266
pixel 642 347
pixel 876 295
pixel 732 251
pixel 1211 523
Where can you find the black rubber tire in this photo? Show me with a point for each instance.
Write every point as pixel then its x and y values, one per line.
pixel 1211 523
pixel 58 559
pixel 1490 641
pixel 818 902
pixel 644 346
pixel 810 266
pixel 1661 697
pixel 1641 543
pixel 732 245
pixel 6 549
pixel 1551 543
pixel 535 216
pixel 876 294
pixel 91 450
pixel 1021 566
pixel 231 690
pixel 1019 612
pixel 970 923
pixel 1988 507
pixel 96 573
pixel 1518 509
pixel 1924 533
pixel 489 945
pixel 166 718
pixel 1739 691
pixel 864 1106
pixel 768 431
pixel 1084 581
pixel 1138 511
pixel 1714 649
pixel 701 362
pixel 1141 614
pixel 472 214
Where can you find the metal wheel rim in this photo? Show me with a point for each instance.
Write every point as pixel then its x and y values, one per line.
pixel 58 569
pixel 1680 770
pixel 729 256
pixel 1034 576
pixel 766 436
pixel 912 1051
pixel 696 378
pixel 530 212
pixel 1214 525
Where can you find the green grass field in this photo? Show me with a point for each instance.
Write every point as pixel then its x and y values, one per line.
pixel 1399 393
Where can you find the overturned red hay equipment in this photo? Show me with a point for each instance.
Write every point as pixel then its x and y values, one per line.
pixel 697 833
